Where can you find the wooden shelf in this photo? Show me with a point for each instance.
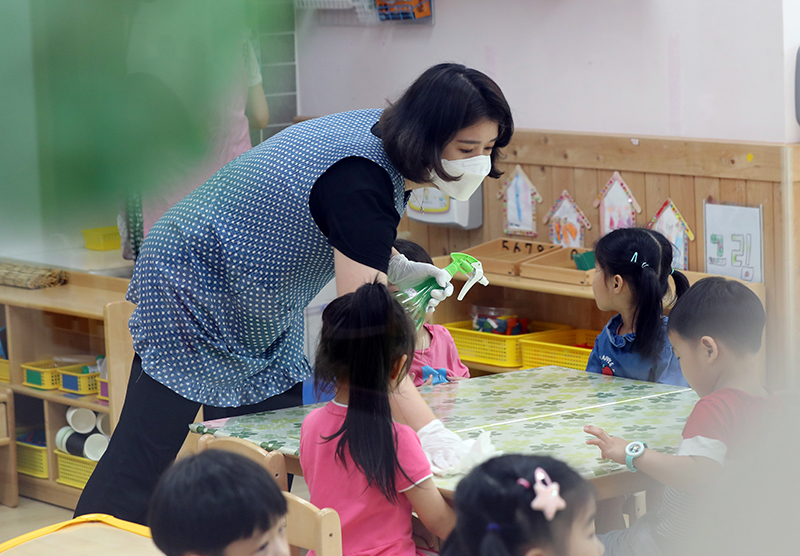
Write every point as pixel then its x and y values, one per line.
pixel 48 490
pixel 57 396
pixel 528 284
pixel 490 369
pixel 69 299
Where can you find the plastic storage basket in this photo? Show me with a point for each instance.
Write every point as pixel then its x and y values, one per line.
pixel 494 349
pixel 102 239
pixel 45 375
pixel 32 460
pixel 79 383
pixel 102 392
pixel 5 374
pixel 73 471
pixel 558 348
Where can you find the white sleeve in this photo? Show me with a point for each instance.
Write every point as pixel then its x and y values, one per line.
pixel 251 65
pixel 706 447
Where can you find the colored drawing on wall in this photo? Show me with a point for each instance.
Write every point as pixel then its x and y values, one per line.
pixel 428 199
pixel 519 204
pixel 734 238
pixel 618 206
pixel 567 222
pixel 668 221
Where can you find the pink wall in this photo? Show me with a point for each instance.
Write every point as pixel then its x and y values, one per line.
pixel 712 69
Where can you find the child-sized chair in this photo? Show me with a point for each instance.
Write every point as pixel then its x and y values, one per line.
pixel 306 525
pixel 271 461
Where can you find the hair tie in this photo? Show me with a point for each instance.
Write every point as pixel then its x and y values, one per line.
pixel 644 265
pixel 492 527
pixel 548 498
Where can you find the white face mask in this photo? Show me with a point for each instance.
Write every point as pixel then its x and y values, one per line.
pixel 472 172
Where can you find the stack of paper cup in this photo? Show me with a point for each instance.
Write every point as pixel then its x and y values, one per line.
pixel 86 435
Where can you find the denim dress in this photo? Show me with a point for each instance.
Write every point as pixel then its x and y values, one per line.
pixel 614 355
pixel 224 276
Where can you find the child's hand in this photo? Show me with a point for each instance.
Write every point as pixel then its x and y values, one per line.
pixel 611 447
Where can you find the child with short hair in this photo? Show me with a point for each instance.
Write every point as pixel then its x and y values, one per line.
pixel 355 458
pixel 519 505
pixel 715 330
pixel 218 503
pixel 434 346
pixel 632 278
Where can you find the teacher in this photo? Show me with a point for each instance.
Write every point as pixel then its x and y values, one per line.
pixel 224 276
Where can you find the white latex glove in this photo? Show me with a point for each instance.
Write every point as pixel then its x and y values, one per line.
pixel 444 448
pixel 406 274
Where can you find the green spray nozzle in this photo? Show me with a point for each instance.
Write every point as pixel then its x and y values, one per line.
pixel 470 267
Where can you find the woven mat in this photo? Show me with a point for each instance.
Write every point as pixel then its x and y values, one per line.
pixel 30 277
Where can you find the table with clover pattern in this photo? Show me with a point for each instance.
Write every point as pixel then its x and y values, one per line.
pixel 535 411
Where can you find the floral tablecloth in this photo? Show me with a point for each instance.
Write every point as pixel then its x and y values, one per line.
pixel 538 411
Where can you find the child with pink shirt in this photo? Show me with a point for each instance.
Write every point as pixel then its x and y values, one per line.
pixel 434 346
pixel 355 458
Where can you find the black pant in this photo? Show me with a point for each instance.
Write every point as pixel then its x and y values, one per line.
pixel 150 432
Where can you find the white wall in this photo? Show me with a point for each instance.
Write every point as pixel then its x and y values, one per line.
pixel 791 43
pixel 709 69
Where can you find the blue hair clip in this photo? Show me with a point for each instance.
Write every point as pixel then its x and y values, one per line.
pixel 493 527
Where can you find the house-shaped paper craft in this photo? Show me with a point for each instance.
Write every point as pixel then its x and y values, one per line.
pixel 567 222
pixel 519 204
pixel 668 221
pixel 618 206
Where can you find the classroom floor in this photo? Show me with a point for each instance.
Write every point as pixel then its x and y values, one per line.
pixel 30 514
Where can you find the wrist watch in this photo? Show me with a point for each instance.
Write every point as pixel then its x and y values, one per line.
pixel 633 451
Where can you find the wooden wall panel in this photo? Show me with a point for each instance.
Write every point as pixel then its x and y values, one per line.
pixel 705 189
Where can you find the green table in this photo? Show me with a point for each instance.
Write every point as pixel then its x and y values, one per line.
pixel 538 411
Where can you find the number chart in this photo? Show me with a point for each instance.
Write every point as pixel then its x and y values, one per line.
pixel 734 242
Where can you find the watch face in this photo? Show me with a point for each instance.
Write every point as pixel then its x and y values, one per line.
pixel 634 448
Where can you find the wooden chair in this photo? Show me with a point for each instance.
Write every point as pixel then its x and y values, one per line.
pixel 311 528
pixel 271 461
pixel 306 525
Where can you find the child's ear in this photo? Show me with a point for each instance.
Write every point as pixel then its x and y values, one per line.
pixel 537 552
pixel 709 349
pixel 617 283
pixel 398 366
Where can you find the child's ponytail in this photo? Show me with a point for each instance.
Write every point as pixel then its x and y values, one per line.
pixel 644 259
pixel 364 334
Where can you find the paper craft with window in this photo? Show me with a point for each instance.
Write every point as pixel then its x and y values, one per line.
pixel 618 206
pixel 668 221
pixel 519 204
pixel 567 222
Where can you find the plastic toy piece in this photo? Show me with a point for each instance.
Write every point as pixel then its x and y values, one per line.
pixel 439 375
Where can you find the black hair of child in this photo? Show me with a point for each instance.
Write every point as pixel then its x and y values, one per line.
pixel 445 99
pixel 364 334
pixel 723 309
pixel 412 251
pixel 493 511
pixel 205 502
pixel 644 260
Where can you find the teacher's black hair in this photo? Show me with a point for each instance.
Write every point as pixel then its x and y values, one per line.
pixel 205 502
pixel 364 336
pixel 445 99
pixel 725 310
pixel 494 516
pixel 643 258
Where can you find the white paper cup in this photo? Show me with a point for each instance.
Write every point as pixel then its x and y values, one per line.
pixel 104 423
pixel 61 437
pixel 95 446
pixel 81 419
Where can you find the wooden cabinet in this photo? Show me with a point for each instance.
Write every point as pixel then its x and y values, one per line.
pixel 87 315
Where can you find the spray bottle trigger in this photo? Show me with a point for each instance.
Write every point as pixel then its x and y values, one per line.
pixel 475 276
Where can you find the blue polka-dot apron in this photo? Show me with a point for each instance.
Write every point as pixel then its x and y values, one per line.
pixel 223 278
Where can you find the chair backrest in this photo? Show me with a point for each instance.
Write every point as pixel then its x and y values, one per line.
pixel 309 527
pixel 271 461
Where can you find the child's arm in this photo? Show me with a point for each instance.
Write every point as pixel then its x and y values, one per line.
pixel 680 472
pixel 432 509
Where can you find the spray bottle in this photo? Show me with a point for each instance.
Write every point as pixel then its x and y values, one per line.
pixel 415 300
